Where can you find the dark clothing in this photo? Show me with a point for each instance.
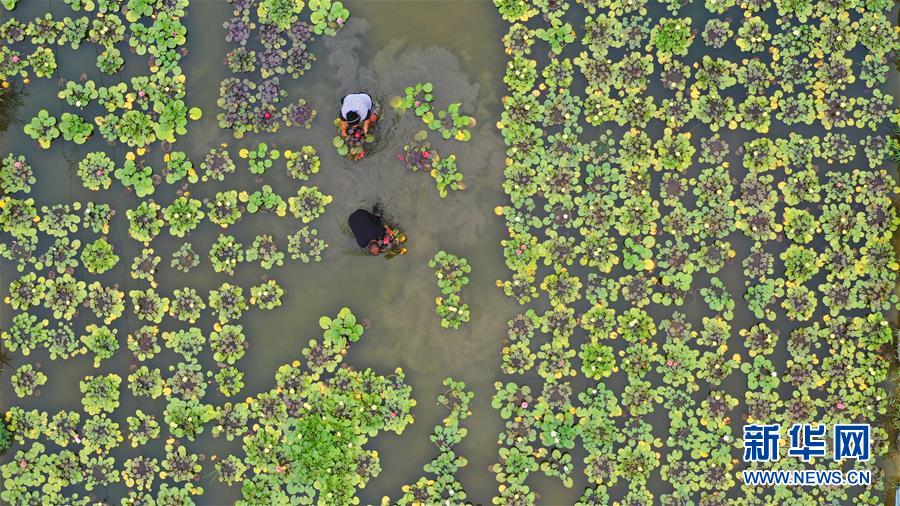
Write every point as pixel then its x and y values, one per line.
pixel 366 227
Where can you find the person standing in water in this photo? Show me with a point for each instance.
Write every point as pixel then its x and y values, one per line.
pixel 373 235
pixel 356 108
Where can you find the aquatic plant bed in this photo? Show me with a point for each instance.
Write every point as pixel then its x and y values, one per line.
pixel 89 281
pixel 135 112
pixel 57 291
pixel 441 483
pixel 700 227
pixel 272 39
pixel 452 273
pixel 450 123
pixel 699 219
pixel 418 155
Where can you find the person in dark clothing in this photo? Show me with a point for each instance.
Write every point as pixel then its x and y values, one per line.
pixel 371 232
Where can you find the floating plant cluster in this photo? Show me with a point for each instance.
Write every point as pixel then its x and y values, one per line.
pixel 184 344
pixel 442 486
pixel 134 112
pixel 302 440
pixel 352 145
pixel 271 39
pixel 53 280
pixel 452 273
pixel 451 123
pixel 652 160
pixel 305 439
pixel 224 209
pixel 418 155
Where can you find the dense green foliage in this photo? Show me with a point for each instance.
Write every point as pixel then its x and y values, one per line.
pixel 451 272
pixel 654 164
pixel 251 100
pixel 68 258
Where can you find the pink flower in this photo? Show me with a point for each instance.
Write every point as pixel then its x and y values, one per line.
pixel 418 103
pixel 393 414
pixel 339 21
pixel 524 404
pixel 23 463
pixel 426 154
pixel 267 115
pixel 840 405
pixel 15 59
pixel 141 93
pixel 17 164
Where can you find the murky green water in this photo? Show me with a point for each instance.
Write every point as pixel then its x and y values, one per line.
pixel 386 46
